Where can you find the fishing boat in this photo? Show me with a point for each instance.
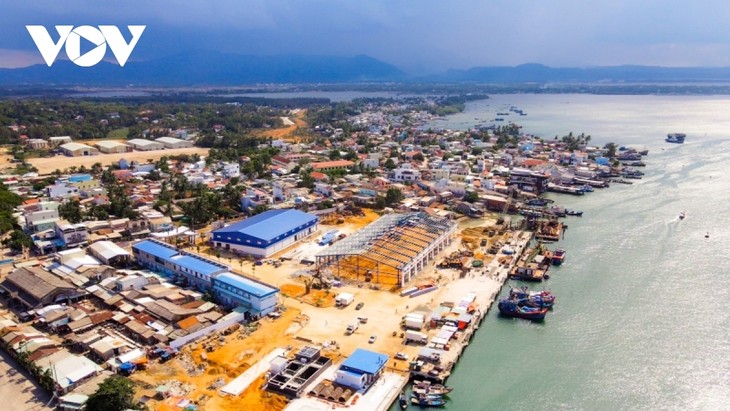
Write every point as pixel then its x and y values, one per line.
pixel 428 402
pixel 575 213
pixel 538 202
pixel 533 298
pixel 426 387
pixel 682 215
pixel 677 138
pixel 403 400
pixel 510 308
pixel 558 256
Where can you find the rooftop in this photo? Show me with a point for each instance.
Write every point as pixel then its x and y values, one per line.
pixel 252 287
pixel 366 361
pixel 270 224
pixel 197 264
pixel 156 249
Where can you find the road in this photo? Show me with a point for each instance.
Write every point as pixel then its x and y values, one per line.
pixel 17 390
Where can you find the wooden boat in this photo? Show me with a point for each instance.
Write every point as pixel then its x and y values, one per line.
pixel 428 402
pixel 558 256
pixel 532 298
pixel 510 308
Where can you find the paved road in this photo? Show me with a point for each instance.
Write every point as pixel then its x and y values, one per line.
pixel 18 391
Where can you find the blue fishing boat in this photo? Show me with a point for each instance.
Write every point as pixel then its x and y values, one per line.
pixel 524 296
pixel 428 402
pixel 511 308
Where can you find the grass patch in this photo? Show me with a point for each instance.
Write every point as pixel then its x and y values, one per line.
pixel 119 134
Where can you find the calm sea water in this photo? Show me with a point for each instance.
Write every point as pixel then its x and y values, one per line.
pixel 642 319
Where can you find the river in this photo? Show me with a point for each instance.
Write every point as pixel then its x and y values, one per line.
pixel 641 319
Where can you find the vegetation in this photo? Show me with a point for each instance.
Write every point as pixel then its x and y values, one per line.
pixel 116 393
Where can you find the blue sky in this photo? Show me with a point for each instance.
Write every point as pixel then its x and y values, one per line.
pixel 416 35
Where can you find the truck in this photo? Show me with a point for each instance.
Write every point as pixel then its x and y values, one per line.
pixel 414 321
pixel 415 336
pixel 328 237
pixel 344 299
pixel 352 327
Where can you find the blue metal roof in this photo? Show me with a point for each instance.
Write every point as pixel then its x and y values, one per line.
pixel 366 361
pixel 245 284
pixel 269 224
pixel 155 249
pixel 196 264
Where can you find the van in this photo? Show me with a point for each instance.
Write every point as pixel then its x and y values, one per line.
pixel 352 327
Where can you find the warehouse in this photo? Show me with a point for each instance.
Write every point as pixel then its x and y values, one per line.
pixel 172 142
pixel 141 144
pixel 391 251
pixel 193 269
pixel 78 150
pixel 112 147
pixel 266 233
pixel 234 290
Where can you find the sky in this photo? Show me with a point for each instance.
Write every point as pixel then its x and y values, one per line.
pixel 418 36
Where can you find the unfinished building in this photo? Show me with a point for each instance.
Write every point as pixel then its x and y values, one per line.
pixel 291 377
pixel 391 250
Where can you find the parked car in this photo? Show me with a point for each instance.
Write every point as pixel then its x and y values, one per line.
pixel 401 356
pixel 372 339
pixel 359 305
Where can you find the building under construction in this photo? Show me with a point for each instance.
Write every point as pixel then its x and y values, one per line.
pixel 391 250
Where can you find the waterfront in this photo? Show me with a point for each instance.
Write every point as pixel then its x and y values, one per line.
pixel 640 320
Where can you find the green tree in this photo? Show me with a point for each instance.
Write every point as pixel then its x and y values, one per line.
pixel 389 164
pixel 471 197
pixel 393 196
pixel 418 157
pixel 611 150
pixel 116 393
pixel 71 211
pixel 17 240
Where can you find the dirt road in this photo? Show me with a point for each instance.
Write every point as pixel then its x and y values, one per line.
pixel 17 390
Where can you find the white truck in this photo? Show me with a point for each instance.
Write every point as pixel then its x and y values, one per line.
pixel 414 321
pixel 415 336
pixel 352 327
pixel 344 299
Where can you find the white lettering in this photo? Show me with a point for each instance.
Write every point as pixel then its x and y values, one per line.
pixel 71 38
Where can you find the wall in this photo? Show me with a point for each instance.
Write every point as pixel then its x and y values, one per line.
pixel 180 342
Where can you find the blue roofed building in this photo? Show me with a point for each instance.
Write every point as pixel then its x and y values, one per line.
pixel 233 290
pixel 361 369
pixel 164 258
pixel 267 233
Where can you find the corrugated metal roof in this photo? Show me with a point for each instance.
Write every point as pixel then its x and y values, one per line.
pixel 366 361
pixel 155 249
pixel 196 264
pixel 269 224
pixel 243 283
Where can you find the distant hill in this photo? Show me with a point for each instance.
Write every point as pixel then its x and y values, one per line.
pixel 538 73
pixel 209 68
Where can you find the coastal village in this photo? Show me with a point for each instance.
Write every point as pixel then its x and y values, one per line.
pixel 351 258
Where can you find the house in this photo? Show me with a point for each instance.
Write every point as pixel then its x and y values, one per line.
pixel 171 142
pixel 71 234
pixel 264 234
pixel 404 173
pixel 34 287
pixel 57 141
pixel 529 180
pixel 36 144
pixel 234 290
pixel 62 190
pixel 361 369
pixel 78 150
pixel 41 216
pixel 141 144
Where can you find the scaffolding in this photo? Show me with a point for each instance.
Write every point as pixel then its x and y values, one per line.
pixel 391 250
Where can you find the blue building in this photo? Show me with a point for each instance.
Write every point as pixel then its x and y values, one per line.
pixel 361 369
pixel 234 290
pixel 267 233
pixel 166 259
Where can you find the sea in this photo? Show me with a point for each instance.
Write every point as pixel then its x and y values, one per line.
pixel 642 319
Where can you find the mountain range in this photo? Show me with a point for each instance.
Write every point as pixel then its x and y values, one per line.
pixel 207 68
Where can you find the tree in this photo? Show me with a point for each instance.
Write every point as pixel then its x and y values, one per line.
pixel 116 393
pixel 17 240
pixel 389 164
pixel 471 197
pixel 611 147
pixel 393 196
pixel 71 211
pixel 418 157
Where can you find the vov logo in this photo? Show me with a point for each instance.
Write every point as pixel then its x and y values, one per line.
pixel 71 38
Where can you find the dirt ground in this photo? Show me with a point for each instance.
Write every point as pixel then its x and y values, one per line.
pixel 286 133
pixel 201 374
pixel 18 390
pixel 51 164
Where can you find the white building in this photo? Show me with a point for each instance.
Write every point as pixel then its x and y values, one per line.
pixel 171 142
pixel 141 144
pixel 406 173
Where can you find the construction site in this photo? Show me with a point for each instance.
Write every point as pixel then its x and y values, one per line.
pixel 391 251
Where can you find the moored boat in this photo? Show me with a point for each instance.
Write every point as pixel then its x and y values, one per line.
pixel 575 213
pixel 428 402
pixel 558 256
pixel 510 308
pixel 426 387
pixel 533 298
pixel 403 401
